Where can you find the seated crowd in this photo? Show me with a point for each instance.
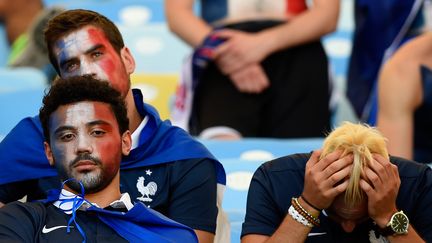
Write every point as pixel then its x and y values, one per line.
pixel 99 165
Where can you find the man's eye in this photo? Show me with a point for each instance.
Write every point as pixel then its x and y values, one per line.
pixel 71 67
pixel 97 54
pixel 98 133
pixel 66 137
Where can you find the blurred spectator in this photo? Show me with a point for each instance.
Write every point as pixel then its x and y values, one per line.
pixel 377 24
pixel 259 69
pixel 24 21
pixel 405 100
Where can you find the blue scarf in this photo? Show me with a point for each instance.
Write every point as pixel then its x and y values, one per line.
pixel 139 224
pixel 22 154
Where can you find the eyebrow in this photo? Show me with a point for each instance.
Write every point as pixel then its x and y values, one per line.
pixel 98 122
pixel 94 48
pixel 63 128
pixel 90 124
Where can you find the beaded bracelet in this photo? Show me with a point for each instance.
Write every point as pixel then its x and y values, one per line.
pixel 312 219
pixel 297 206
pixel 298 217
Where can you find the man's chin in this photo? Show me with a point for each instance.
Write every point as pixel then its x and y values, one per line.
pixel 90 180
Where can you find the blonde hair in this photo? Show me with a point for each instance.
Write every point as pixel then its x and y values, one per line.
pixel 362 141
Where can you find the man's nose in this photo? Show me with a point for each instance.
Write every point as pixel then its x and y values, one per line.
pixel 87 69
pixel 348 225
pixel 83 145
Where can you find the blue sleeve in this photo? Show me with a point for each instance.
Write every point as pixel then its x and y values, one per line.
pixel 34 189
pixel 193 196
pixel 22 155
pixel 19 223
pixel 262 212
pixel 14 191
pixel 421 212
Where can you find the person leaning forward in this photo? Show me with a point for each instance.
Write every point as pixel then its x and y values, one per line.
pixel 349 191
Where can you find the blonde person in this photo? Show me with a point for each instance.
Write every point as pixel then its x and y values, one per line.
pixel 349 191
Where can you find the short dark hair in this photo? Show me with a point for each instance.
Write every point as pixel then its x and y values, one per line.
pixel 72 20
pixel 82 88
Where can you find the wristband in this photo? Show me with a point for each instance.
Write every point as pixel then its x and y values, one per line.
pixel 310 204
pixel 298 217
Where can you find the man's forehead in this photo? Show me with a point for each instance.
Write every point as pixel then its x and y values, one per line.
pixel 84 111
pixel 88 29
pixel 86 36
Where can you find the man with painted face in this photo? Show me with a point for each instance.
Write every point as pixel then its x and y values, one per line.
pixel 166 169
pixel 86 133
pixel 349 191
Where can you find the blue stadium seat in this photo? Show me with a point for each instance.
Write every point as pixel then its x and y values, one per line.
pixel 21 92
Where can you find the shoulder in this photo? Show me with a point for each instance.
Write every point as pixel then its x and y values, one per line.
pixel 416 178
pixel 29 127
pixel 407 59
pixel 191 163
pixel 193 168
pixel 409 168
pixel 282 172
pixel 33 208
pixel 28 124
pixel 293 162
pixel 20 222
pixel 172 172
pixel 29 213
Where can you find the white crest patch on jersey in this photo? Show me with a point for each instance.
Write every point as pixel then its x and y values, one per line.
pixel 374 239
pixel 146 190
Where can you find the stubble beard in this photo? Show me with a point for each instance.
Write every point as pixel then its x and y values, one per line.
pixel 92 180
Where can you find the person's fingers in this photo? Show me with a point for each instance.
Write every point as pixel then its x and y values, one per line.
pixel 338 165
pixel 314 158
pixel 259 78
pixel 391 169
pixel 251 79
pixel 381 166
pixel 367 188
pixel 339 176
pixel 373 178
pixel 340 188
pixel 332 160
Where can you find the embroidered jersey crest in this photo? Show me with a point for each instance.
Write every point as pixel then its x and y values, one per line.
pixel 146 190
pixel 374 239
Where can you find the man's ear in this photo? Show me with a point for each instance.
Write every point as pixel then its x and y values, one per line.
pixel 48 153
pixel 128 60
pixel 126 143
